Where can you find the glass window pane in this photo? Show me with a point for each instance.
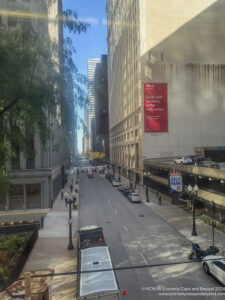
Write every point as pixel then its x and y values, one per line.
pixel 33 192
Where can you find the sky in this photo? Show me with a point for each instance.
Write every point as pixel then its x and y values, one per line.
pixel 91 44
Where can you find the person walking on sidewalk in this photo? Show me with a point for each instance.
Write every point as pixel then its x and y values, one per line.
pixel 66 196
pixel 160 200
pixel 147 199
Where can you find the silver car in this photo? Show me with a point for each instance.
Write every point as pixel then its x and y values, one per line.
pixel 115 182
pixel 215 265
pixel 134 197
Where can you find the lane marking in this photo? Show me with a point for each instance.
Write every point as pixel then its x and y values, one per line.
pixel 145 260
pixel 116 212
pixel 125 227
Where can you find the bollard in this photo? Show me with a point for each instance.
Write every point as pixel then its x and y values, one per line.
pixel 27 280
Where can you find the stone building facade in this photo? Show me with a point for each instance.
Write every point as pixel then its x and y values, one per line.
pixel 173 42
pixel 36 179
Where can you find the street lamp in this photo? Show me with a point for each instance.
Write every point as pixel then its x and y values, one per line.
pixel 213 221
pixel 129 175
pixel 145 175
pixel 70 246
pixel 192 195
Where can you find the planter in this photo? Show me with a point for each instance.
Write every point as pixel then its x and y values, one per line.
pixel 18 261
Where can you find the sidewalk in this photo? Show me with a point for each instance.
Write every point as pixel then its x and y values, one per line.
pixel 50 249
pixel 181 220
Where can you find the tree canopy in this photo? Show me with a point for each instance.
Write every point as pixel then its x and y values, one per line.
pixel 34 84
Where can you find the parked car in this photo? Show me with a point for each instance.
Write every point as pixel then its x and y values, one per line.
pixel 102 172
pixel 215 265
pixel 207 164
pixel 115 182
pixel 185 160
pixel 197 158
pixel 134 197
pixel 121 187
pixel 128 191
pixel 220 165
pixel 109 177
pixel 90 175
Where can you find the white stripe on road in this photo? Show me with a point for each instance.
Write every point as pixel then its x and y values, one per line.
pixel 145 260
pixel 116 212
pixel 125 227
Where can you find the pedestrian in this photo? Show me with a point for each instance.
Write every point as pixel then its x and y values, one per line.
pixel 147 199
pixel 66 197
pixel 119 178
pixel 71 187
pixel 160 200
pixel 62 195
pixel 74 199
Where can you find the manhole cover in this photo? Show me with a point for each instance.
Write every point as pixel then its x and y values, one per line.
pixel 141 216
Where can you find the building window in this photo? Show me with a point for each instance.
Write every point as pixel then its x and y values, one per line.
pixel 16 200
pixel 2 201
pixel 33 193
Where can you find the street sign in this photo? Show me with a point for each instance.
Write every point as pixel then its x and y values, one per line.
pixel 70 221
pixel 176 182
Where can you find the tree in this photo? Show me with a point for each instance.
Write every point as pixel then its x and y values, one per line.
pixel 33 85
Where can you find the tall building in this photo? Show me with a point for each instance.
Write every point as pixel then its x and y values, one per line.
pixel 166 79
pixel 86 129
pixel 37 176
pixel 101 107
pixel 91 96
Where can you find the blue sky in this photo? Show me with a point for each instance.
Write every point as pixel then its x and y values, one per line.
pixel 91 44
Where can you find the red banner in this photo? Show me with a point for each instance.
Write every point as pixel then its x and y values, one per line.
pixel 155 107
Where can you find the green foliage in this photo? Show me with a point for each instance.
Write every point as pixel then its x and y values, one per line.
pixel 9 246
pixel 37 78
pixel 11 243
pixel 4 273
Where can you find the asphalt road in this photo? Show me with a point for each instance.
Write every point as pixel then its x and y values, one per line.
pixel 137 236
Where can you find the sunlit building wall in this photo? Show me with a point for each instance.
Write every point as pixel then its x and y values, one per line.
pixel 175 42
pixel 124 83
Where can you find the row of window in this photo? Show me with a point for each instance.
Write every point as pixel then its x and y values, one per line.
pixel 125 136
pixel 126 155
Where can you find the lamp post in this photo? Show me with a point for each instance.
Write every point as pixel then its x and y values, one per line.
pixel 145 175
pixel 192 195
pixel 213 221
pixel 108 167
pixel 129 172
pixel 70 246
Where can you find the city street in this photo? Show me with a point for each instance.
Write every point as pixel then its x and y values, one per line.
pixel 137 236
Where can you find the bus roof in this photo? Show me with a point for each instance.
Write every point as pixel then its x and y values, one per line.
pixel 97 258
